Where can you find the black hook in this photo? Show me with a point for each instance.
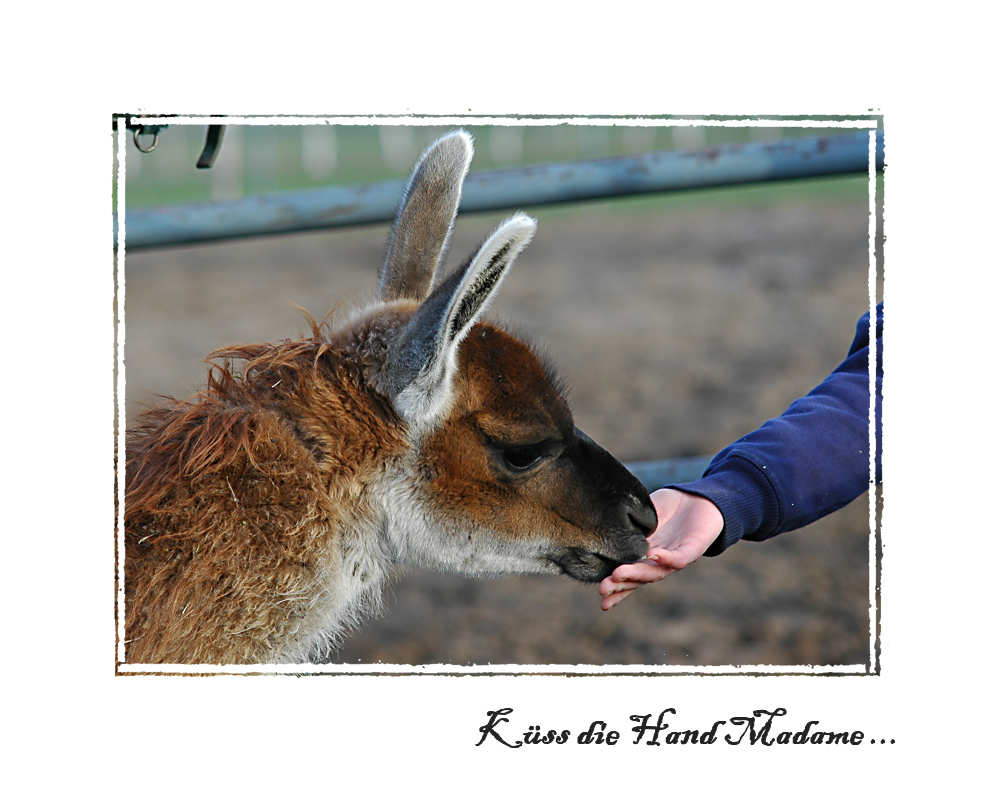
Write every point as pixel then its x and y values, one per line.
pixel 213 141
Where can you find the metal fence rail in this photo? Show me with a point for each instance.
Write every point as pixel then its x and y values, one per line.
pixel 655 474
pixel 343 206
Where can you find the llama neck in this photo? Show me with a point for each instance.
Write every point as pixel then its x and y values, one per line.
pixel 354 437
pixel 358 566
pixel 268 545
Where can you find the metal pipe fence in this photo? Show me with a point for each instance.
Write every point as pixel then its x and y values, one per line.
pixel 655 474
pixel 495 190
pixel 345 206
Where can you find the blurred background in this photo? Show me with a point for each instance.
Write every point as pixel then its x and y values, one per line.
pixel 261 159
pixel 679 322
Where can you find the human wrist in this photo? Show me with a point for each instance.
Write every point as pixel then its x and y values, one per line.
pixel 744 496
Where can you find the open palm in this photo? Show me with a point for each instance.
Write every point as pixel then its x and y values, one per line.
pixel 687 526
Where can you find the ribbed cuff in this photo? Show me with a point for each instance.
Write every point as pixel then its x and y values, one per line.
pixel 744 495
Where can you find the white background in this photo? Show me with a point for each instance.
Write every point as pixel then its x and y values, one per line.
pixel 70 719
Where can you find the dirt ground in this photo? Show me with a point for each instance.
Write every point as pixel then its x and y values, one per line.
pixel 677 330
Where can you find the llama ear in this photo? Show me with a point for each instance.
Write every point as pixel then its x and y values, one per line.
pixel 418 373
pixel 426 216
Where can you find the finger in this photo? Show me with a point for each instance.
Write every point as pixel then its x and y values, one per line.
pixel 646 572
pixel 610 601
pixel 613 588
pixel 609 585
pixel 640 569
pixel 673 559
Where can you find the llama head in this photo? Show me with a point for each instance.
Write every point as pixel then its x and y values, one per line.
pixel 499 479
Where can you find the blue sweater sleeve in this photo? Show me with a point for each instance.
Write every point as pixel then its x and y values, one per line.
pixel 810 462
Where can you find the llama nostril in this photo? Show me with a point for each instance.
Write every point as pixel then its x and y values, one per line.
pixel 641 515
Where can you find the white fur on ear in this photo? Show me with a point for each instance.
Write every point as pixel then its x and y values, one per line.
pixel 426 217
pixel 486 273
pixel 426 362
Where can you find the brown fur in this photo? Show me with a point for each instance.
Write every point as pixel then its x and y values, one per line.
pixel 232 497
pixel 263 514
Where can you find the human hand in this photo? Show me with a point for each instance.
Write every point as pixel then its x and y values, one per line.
pixel 687 526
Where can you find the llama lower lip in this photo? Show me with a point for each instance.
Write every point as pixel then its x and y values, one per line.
pixel 590 567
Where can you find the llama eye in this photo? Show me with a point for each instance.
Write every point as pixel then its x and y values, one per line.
pixel 521 458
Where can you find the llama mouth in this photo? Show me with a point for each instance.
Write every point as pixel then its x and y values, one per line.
pixel 592 567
